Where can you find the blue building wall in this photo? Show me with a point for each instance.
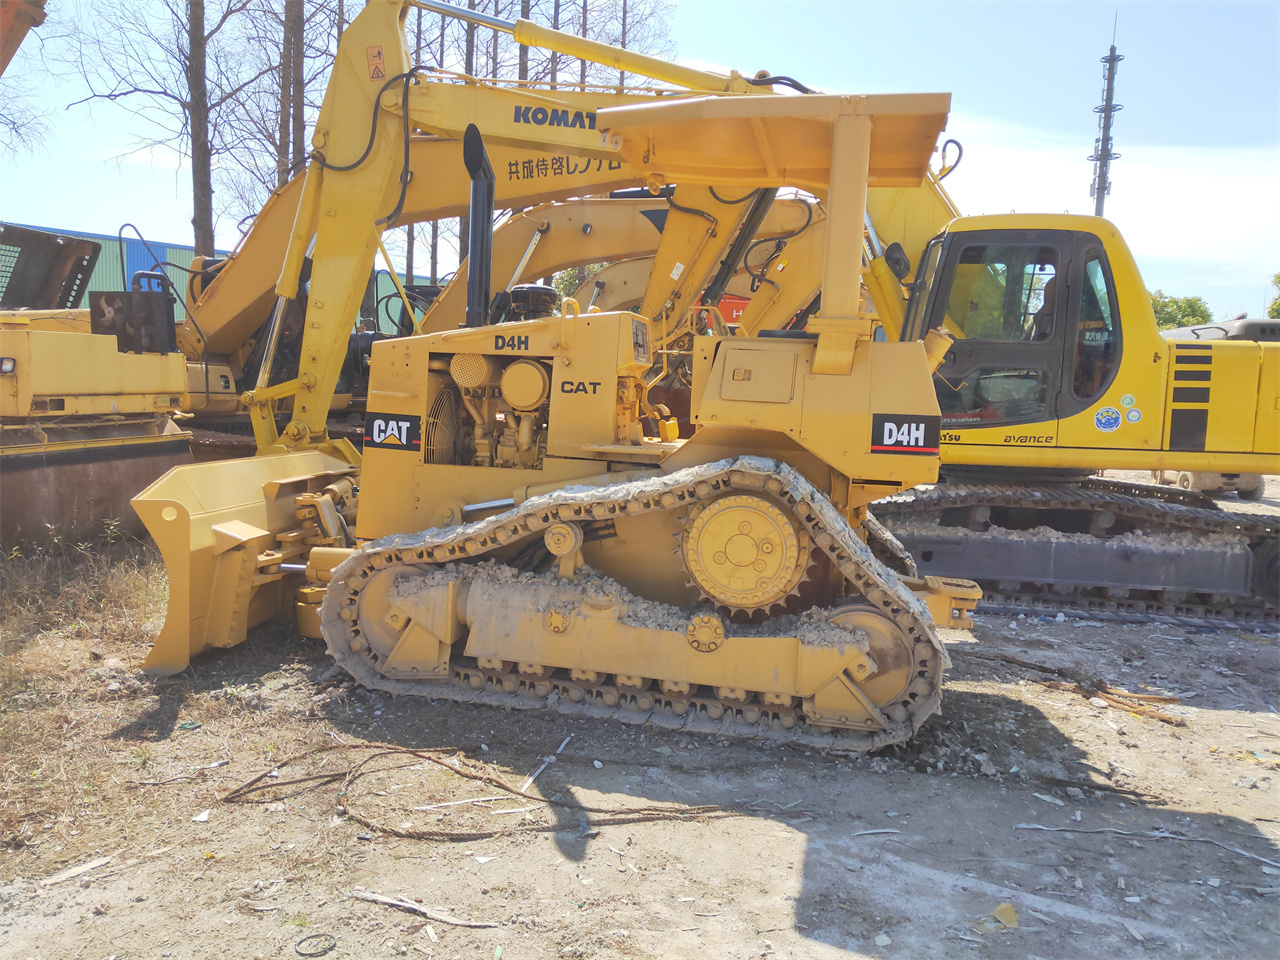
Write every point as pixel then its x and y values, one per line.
pixel 107 275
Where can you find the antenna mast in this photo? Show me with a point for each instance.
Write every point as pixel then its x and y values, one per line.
pixel 1102 153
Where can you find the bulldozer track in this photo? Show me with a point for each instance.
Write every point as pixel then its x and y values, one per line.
pixel 454 551
pixel 1131 504
pixel 1150 509
pixel 1131 611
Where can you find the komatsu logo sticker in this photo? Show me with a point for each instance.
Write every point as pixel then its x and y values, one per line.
pixel 1107 419
pixel 391 431
pixel 542 117
pixel 895 433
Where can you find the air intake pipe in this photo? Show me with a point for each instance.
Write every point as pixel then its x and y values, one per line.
pixel 480 239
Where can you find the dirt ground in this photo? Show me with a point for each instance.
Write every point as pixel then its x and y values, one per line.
pixel 1117 828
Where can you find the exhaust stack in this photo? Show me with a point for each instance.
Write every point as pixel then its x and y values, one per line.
pixel 480 239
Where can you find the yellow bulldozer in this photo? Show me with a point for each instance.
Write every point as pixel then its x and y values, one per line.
pixel 524 526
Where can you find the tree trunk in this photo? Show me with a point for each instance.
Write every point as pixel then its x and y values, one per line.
pixel 582 63
pixel 286 106
pixel 435 246
pixel 524 50
pixel 622 74
pixel 342 21
pixel 493 45
pixel 295 16
pixel 555 57
pixel 470 65
pixel 201 151
pixel 410 229
pixel 408 252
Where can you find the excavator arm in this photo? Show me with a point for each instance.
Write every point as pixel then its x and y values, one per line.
pixel 229 302
pixel 355 170
pixel 559 236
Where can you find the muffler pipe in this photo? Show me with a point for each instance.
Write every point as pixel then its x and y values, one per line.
pixel 480 239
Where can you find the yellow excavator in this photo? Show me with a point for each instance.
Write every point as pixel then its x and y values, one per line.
pixel 512 533
pixel 1058 370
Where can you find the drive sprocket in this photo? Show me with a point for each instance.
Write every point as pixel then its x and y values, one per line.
pixel 743 552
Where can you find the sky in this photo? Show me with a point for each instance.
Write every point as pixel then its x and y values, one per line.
pixel 1196 191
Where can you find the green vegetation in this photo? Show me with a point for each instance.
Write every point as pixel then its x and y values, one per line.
pixel 1173 312
pixel 1273 311
pixel 567 282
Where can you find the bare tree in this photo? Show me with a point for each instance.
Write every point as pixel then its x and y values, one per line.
pixel 264 134
pixel 177 66
pixel 22 125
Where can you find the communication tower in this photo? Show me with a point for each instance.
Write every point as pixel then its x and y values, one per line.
pixel 1102 152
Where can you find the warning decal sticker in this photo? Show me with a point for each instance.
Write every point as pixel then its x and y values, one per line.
pixel 377 68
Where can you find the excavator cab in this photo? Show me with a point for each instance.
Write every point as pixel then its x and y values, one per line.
pixel 1035 321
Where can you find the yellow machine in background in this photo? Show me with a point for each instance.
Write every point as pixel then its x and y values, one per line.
pixel 86 395
pixel 1057 371
pixel 502 458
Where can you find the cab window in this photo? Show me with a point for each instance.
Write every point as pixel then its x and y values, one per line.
pixel 1004 291
pixel 1097 347
pixel 922 291
pixel 990 395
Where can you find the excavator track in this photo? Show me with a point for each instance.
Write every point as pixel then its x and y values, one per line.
pixel 434 559
pixel 1105 509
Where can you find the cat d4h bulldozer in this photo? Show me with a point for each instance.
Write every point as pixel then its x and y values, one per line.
pixel 525 527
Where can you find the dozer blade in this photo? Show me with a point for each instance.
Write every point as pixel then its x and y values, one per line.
pixel 217 525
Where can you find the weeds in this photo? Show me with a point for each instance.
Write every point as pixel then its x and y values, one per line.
pixel 110 587
pixel 56 600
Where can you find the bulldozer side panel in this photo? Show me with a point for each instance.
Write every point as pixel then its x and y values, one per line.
pixel 879 425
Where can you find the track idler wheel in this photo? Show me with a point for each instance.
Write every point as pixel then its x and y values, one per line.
pixel 906 676
pixel 1266 571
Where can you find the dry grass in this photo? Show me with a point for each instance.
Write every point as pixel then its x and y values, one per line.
pixel 64 609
